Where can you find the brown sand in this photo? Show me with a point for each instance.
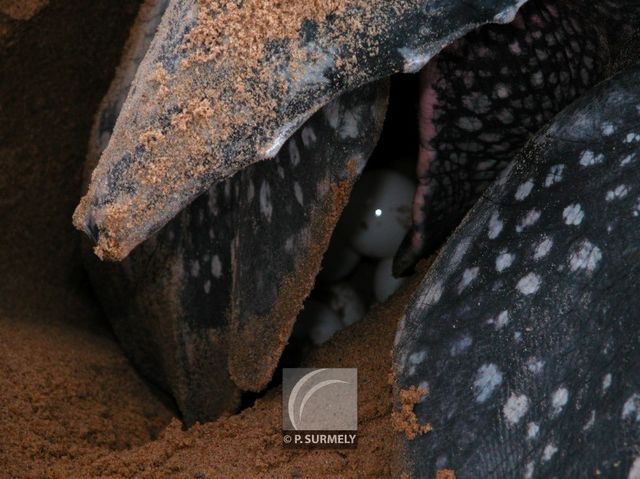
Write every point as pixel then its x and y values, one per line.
pixel 66 389
pixel 446 474
pixel 66 394
pixel 405 420
pixel 72 406
pixel 248 444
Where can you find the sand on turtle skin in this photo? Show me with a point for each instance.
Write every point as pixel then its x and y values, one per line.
pixel 405 420
pixel 205 118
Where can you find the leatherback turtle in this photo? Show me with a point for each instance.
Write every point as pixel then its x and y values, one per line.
pixel 227 247
pixel 523 335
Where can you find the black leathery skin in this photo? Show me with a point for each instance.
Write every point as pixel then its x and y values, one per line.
pixel 495 88
pixel 524 332
pixel 409 34
pixel 180 303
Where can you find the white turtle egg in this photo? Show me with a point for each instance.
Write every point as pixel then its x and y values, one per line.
pixel 384 283
pixel 379 212
pixel 346 303
pixel 318 322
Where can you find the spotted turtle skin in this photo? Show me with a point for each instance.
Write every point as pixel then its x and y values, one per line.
pixel 524 334
pixel 486 95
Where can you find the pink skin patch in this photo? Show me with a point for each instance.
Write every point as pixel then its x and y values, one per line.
pixel 428 102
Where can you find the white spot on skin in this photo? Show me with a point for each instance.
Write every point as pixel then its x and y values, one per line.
pixel 573 214
pixel 469 123
pixel 627 159
pixel 537 79
pixel 530 219
pixel 417 358
pixel 298 192
pixel 559 400
pixel 459 253
pixel 266 208
pixel 587 256
pixel 524 190
pixel 542 249
pixel 350 125
pixel 592 420
pixel 502 91
pixel 434 294
pixel 515 408
pixel 515 48
pixel 495 225
pixel 502 320
pixel 332 114
pixel 528 472
pixel 216 267
pixel 505 175
pixel 620 192
pixel 441 462
pixel 195 268
pixel 461 345
pixel 631 408
pixel 548 452
pixel 294 153
pixel 554 176
pixel 529 284
pixel 207 287
pixel 532 430
pixel 632 137
pixel 634 472
pixel 288 245
pixel 467 278
pixel 425 386
pixel 636 208
pixel 488 378
pixel 504 261
pixel 606 382
pixel 535 365
pixel 308 136
pixel 478 103
pixel 589 158
pixel 608 129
